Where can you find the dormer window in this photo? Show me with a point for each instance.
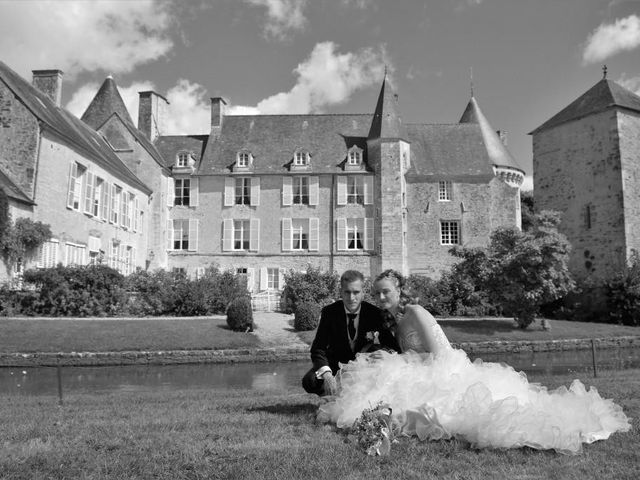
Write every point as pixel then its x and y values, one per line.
pixel 301 158
pixel 182 159
pixel 243 160
pixel 355 157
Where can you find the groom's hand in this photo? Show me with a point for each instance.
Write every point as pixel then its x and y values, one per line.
pixel 330 385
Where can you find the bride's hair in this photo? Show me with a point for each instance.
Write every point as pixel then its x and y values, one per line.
pixel 400 282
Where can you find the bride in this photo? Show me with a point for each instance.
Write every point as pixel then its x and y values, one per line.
pixel 436 392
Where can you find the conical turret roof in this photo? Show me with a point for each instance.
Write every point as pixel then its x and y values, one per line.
pixel 386 121
pixel 106 102
pixel 497 152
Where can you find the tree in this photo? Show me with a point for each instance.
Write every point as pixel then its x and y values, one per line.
pixel 22 238
pixel 527 212
pixel 522 270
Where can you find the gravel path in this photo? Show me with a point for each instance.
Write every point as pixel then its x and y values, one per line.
pixel 276 330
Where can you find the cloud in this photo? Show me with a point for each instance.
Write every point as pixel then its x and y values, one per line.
pixel 77 35
pixel 360 4
pixel 630 83
pixel 283 16
pixel 610 39
pixel 463 4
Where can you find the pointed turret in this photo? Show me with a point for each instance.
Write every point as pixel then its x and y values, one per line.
pixel 503 163
pixel 106 102
pixel 386 121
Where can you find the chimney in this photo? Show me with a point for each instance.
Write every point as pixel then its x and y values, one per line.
pixel 152 114
pixel 49 82
pixel 217 113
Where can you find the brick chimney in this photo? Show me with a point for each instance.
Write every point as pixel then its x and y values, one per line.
pixel 217 113
pixel 49 82
pixel 152 114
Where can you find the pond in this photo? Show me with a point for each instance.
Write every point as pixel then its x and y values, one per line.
pixel 262 376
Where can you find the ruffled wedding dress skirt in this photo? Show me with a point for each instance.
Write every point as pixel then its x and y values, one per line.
pixel 488 404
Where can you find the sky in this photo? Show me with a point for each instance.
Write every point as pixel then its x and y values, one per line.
pixel 524 59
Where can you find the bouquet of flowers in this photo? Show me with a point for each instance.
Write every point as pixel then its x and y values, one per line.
pixel 373 430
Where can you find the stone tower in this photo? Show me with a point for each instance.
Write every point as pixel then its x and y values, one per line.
pixel 389 155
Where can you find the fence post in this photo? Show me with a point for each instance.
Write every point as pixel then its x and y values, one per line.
pixel 59 374
pixel 593 357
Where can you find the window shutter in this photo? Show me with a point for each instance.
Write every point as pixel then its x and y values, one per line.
pixel 342 234
pixel 280 279
pixel 88 192
pixel 255 191
pixel 193 235
pixel 314 234
pixel 227 234
pixel 251 273
pixel 286 234
pixel 264 279
pixel 368 190
pixel 114 204
pixel 287 191
pixel 169 234
pixel 106 199
pixel 124 198
pixel 254 235
pixel 72 184
pixel 368 233
pixel 313 191
pixel 193 193
pixel 229 190
pixel 342 190
pixel 171 191
pixel 136 215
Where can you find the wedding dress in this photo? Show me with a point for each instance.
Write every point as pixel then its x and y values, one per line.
pixel 488 404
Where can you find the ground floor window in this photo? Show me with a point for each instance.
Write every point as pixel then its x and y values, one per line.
pixel 449 232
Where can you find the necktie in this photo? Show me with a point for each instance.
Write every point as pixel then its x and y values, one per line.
pixel 352 325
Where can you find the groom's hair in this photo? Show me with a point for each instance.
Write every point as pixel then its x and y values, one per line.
pixel 351 276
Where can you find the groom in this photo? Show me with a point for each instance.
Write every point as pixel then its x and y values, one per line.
pixel 342 332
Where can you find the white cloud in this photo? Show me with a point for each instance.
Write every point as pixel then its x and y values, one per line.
pixel 610 39
pixel 630 83
pixel 361 4
pixel 189 109
pixel 327 78
pixel 79 35
pixel 283 16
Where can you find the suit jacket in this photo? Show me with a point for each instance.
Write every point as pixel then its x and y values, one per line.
pixel 331 345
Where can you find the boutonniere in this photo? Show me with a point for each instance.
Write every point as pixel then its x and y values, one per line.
pixel 374 337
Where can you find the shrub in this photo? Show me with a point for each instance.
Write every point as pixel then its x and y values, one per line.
pixel 307 316
pixel 311 286
pixel 240 315
pixel 154 293
pixel 623 294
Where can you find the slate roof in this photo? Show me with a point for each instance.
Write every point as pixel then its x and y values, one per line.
pixel 603 95
pixel 495 149
pixel 69 127
pixel 11 190
pixel 106 102
pixel 386 121
pixel 169 145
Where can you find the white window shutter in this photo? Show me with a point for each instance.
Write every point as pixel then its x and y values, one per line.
pixel 106 201
pixel 193 235
pixel 113 209
pixel 193 194
pixel 254 235
pixel 229 191
pixel 280 278
pixel 88 192
pixel 314 234
pixel 368 233
pixel 264 279
pixel 169 234
pixel 72 184
pixel 136 215
pixel 286 234
pixel 342 233
pixel 227 234
pixel 368 189
pixel 171 192
pixel 313 191
pixel 342 190
pixel 251 273
pixel 287 191
pixel 255 191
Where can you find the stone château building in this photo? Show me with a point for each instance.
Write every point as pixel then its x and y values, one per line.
pixel 263 194
pixel 585 165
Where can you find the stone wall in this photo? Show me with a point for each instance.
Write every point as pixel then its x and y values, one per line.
pixel 629 137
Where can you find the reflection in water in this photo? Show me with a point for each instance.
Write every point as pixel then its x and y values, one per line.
pixel 261 376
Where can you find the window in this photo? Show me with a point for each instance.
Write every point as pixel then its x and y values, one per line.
pixel 243 191
pixel 124 210
pixel 74 254
pixel 300 190
pixel 74 191
pixel 181 235
pixel 273 278
pixel 449 232
pixel 89 192
pixel 355 189
pixel 241 234
pixel 114 260
pixel 444 190
pixel 301 158
pixel 248 276
pixel 182 159
pixel 182 191
pixel 95 253
pixel 48 254
pixel 129 260
pixel 116 194
pixel 355 157
pixel 244 159
pixel 300 234
pixel 98 196
pixel 355 233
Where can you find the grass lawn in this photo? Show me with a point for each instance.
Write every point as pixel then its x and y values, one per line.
pixel 243 434
pixel 102 335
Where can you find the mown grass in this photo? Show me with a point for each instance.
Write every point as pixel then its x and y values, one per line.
pixel 243 434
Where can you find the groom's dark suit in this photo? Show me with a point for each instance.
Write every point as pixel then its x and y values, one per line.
pixel 331 345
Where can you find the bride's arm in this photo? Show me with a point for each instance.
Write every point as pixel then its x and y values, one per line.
pixel 428 329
